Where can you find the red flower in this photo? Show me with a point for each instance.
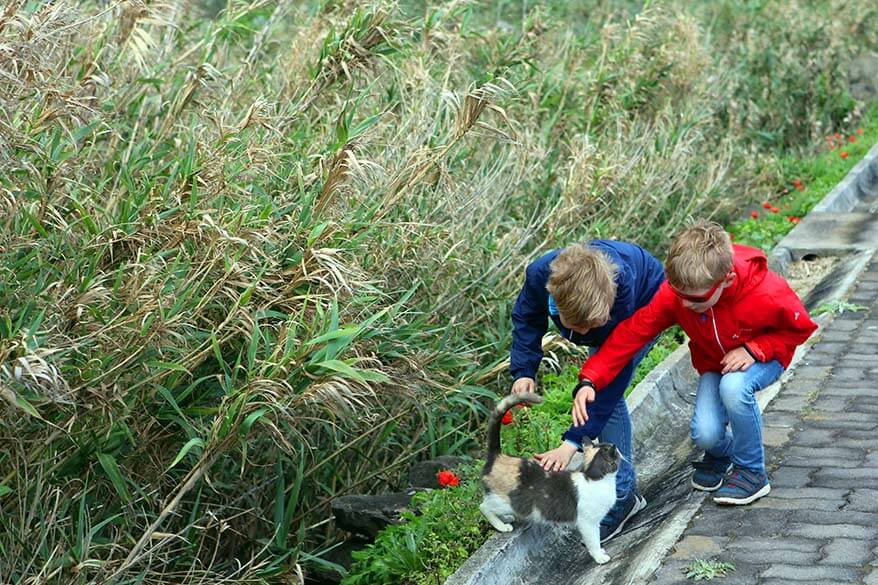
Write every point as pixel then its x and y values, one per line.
pixel 507 418
pixel 766 205
pixel 853 138
pixel 447 478
pixel 754 214
pixel 794 219
pixel 785 191
pixel 860 131
pixel 832 146
pixel 774 209
pixel 800 187
pixel 843 154
pixel 837 136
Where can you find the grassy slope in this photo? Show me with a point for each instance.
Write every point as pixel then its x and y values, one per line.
pixel 251 262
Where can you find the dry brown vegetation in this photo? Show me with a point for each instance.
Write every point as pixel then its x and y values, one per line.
pixel 253 261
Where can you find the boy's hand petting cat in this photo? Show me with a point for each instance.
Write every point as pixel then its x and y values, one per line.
pixel 523 385
pixel 558 458
pixel 737 359
pixel 585 395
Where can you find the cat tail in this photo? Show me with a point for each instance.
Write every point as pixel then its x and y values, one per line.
pixel 497 415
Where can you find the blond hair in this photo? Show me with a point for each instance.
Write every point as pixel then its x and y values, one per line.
pixel 583 283
pixel 699 257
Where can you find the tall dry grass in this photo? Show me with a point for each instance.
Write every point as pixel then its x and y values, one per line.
pixel 251 262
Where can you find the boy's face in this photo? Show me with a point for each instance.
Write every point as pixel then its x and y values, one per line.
pixel 701 300
pixel 581 329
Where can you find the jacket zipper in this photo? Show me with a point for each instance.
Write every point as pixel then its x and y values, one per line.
pixel 716 332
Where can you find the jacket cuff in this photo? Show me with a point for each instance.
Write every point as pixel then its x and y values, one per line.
pixel 754 352
pixel 593 376
pixel 520 373
pixel 574 443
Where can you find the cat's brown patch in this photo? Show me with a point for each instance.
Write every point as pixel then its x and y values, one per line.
pixel 504 475
pixel 588 453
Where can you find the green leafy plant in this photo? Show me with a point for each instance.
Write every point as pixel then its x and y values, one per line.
pixel 699 570
pixel 838 307
pixel 444 529
pixel 539 428
pixel 257 258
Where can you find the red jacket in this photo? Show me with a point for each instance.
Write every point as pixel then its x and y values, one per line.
pixel 758 310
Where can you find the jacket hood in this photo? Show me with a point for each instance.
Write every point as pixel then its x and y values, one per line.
pixel 751 266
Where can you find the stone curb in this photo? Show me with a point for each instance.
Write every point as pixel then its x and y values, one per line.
pixel 859 182
pixel 662 400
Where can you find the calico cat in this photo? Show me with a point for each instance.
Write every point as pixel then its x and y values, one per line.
pixel 520 489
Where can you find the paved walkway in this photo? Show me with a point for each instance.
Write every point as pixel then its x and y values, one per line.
pixel 819 524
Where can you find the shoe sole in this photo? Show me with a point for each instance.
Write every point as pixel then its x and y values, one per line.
pixel 638 506
pixel 704 488
pixel 742 501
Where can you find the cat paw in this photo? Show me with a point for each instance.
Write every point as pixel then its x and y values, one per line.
pixel 600 557
pixel 504 528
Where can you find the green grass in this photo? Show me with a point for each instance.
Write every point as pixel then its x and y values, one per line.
pixel 838 307
pixel 806 181
pixel 432 543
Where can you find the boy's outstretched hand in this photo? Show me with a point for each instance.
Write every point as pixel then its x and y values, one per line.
pixel 737 359
pixel 523 385
pixel 585 395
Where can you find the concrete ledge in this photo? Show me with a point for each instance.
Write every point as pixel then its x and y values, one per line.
pixel 831 234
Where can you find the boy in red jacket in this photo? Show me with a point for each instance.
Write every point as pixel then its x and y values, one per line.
pixel 743 323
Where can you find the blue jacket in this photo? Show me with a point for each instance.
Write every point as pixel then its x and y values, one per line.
pixel 638 278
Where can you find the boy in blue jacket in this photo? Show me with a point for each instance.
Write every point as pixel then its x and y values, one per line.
pixel 586 290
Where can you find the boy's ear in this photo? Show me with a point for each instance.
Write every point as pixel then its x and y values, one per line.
pixel 730 278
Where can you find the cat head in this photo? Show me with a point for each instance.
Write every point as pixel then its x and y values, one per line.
pixel 600 460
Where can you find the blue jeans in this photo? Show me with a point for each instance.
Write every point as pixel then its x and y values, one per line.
pixel 609 421
pixel 731 400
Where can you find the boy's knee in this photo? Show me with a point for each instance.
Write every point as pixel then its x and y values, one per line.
pixel 734 390
pixel 705 436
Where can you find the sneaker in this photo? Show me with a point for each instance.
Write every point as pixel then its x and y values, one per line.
pixel 709 472
pixel 742 487
pixel 616 518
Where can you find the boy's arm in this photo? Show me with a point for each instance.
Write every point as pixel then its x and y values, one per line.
pixel 628 338
pixel 530 318
pixel 792 327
